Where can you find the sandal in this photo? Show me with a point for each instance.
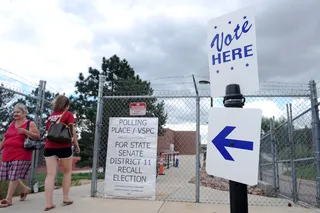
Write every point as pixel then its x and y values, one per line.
pixel 67 203
pixel 49 208
pixel 24 195
pixel 5 203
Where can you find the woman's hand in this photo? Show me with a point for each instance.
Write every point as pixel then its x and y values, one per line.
pixel 22 131
pixel 77 149
pixel 32 133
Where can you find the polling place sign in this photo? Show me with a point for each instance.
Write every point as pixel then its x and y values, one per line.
pixel 131 158
pixel 232 52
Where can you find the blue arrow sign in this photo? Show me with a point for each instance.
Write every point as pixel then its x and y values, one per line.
pixel 221 142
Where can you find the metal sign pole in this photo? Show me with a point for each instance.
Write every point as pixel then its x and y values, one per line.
pixel 238 191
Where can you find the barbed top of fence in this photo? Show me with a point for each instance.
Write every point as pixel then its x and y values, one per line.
pixel 14 89
pixel 267 89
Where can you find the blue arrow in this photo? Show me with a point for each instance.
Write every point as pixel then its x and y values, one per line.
pixel 221 142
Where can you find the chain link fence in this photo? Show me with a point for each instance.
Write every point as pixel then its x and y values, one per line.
pixel 37 103
pixel 9 97
pixel 287 170
pixel 288 160
pixel 40 164
pixel 184 139
pixel 288 167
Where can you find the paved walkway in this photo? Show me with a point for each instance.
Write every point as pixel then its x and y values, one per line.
pixel 84 204
pixel 174 186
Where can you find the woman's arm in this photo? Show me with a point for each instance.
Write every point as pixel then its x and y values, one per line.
pixel 1 144
pixel 75 138
pixel 74 135
pixel 72 124
pixel 33 131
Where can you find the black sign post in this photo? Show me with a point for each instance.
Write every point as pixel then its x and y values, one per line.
pixel 238 191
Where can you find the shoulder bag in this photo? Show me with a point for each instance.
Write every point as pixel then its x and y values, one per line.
pixel 31 144
pixel 59 132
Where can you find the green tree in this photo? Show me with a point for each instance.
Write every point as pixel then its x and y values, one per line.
pixel 10 99
pixel 31 103
pixel 6 98
pixel 280 134
pixel 303 139
pixel 121 80
pixel 265 124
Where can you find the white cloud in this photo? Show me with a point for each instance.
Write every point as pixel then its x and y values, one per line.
pixel 50 50
pixel 122 15
pixel 40 41
pixel 298 105
pixel 268 107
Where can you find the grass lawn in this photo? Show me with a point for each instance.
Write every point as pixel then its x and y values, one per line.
pixel 40 177
pixel 307 172
pixel 75 179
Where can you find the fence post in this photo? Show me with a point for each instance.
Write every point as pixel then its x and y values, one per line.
pixel 292 150
pixel 260 169
pixel 198 149
pixel 34 163
pixel 274 157
pixel 197 140
pixel 315 133
pixel 43 97
pixel 277 163
pixel 102 80
pixel 40 124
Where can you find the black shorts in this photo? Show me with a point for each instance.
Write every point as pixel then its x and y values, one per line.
pixel 58 152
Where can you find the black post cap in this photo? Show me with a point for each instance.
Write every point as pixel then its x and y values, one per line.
pixel 233 89
pixel 233 97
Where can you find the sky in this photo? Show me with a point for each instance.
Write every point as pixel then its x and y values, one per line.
pixel 164 41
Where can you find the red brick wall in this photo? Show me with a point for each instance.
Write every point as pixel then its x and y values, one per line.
pixel 165 140
pixel 185 142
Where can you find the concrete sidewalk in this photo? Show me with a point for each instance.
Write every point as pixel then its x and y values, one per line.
pixel 84 204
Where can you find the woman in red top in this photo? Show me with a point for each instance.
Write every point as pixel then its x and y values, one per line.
pixel 16 160
pixel 55 151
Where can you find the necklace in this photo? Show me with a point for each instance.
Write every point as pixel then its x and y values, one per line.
pixel 19 124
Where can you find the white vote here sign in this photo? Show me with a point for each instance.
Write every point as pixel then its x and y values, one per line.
pixel 232 52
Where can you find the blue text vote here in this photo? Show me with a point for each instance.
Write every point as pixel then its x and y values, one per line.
pixel 234 54
pixel 221 42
